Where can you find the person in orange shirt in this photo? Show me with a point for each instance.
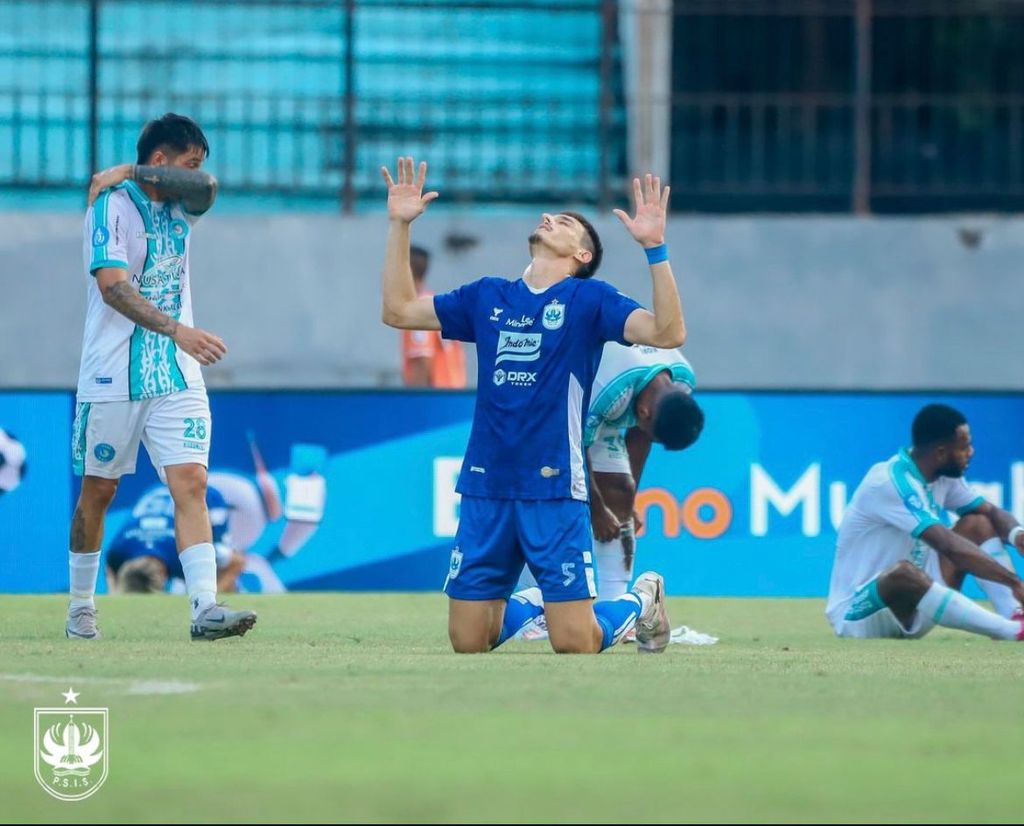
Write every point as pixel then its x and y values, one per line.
pixel 427 359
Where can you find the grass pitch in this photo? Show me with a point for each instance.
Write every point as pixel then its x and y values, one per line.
pixel 351 708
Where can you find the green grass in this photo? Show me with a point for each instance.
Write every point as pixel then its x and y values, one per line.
pixel 351 708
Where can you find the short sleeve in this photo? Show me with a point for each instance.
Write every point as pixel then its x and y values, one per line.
pixel 682 373
pixel 456 311
pixel 900 505
pixel 613 308
pixel 108 232
pixel 960 498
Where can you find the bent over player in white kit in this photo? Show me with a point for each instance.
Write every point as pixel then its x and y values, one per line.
pixel 140 377
pixel 894 551
pixel 642 396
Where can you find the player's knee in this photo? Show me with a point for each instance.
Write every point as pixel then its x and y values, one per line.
pixel 905 576
pixel 188 484
pixel 573 641
pixel 97 493
pixel 469 641
pixel 975 526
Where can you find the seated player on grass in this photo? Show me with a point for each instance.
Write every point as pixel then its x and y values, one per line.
pixel 895 554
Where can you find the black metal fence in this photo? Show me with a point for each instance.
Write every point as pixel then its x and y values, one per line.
pixel 863 105
pixel 833 105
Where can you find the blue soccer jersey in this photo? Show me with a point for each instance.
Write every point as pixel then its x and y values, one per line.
pixel 537 353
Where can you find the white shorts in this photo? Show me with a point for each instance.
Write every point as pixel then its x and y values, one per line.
pixel 608 452
pixel 865 616
pixel 175 429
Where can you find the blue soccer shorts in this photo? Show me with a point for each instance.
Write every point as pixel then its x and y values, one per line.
pixel 497 536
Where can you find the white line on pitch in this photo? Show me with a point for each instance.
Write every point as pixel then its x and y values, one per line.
pixel 133 686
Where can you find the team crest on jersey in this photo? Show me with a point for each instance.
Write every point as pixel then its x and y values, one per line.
pixel 100 236
pixel 456 563
pixel 913 501
pixel 554 315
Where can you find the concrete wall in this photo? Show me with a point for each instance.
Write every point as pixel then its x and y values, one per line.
pixel 770 302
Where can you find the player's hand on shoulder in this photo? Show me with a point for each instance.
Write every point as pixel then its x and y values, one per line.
pixel 107 178
pixel 406 201
pixel 204 347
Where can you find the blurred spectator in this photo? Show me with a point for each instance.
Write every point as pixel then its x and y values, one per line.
pixel 427 359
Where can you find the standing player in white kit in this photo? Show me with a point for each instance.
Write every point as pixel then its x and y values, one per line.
pixel 140 377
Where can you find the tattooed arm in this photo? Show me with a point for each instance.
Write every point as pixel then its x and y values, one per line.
pixel 118 294
pixel 195 188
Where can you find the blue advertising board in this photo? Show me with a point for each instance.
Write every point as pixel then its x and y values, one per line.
pixel 750 510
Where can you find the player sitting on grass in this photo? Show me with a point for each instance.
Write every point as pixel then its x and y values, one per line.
pixel 894 553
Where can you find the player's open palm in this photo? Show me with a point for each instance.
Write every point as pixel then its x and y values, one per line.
pixel 406 200
pixel 651 204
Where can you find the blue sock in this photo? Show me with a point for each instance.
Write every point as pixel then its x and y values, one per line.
pixel 617 616
pixel 521 609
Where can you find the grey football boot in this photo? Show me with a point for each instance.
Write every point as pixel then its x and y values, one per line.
pixel 218 621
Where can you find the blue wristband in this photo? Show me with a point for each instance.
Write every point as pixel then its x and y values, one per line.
pixel 658 254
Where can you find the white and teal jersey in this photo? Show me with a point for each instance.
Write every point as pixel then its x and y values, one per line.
pixel 149 239
pixel 883 524
pixel 624 372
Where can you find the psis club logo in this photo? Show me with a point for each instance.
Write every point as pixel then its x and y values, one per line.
pixel 71 749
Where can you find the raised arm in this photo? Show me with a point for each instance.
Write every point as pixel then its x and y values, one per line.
pixel 194 188
pixel 401 307
pixel 665 327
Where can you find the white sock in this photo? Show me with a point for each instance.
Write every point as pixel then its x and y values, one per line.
pixel 612 576
pixel 999 595
pixel 200 566
pixel 953 610
pixel 84 568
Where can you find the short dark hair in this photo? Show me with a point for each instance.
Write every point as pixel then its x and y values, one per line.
pixel 142 575
pixel 936 423
pixel 176 132
pixel 678 421
pixel 596 249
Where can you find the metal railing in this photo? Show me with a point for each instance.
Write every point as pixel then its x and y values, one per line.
pixel 859 105
pixel 827 105
pixel 306 99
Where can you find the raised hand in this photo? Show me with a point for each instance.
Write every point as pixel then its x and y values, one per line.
pixel 651 202
pixel 406 201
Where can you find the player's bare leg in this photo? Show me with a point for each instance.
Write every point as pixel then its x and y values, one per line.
pixel 474 626
pixel 210 621
pixel 979 529
pixel 906 590
pixel 84 560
